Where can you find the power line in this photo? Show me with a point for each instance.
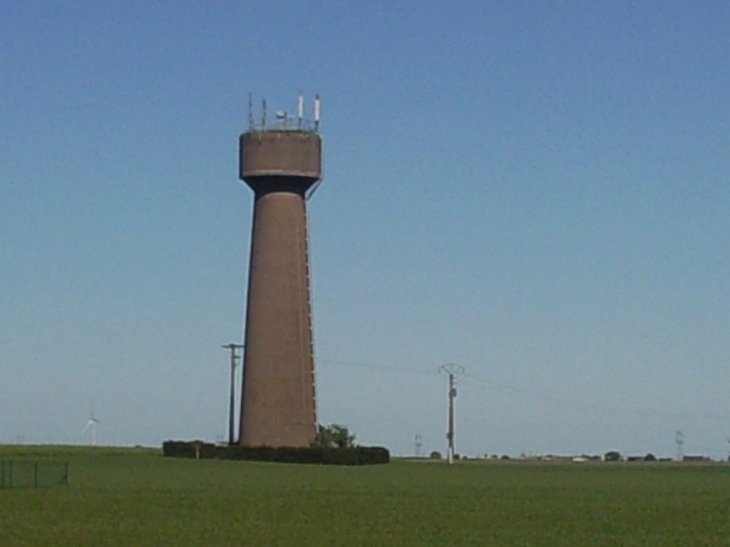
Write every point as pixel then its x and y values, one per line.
pixel 572 402
pixel 592 406
pixel 370 366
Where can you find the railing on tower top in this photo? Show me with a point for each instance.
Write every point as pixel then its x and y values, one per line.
pixel 283 120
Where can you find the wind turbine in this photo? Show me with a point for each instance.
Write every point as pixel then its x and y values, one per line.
pixel 91 424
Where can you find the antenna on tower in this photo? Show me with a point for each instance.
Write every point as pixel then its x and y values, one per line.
pixel 679 439
pixel 316 112
pixel 250 111
pixel 263 114
pixel 452 370
pixel 300 110
pixel 282 117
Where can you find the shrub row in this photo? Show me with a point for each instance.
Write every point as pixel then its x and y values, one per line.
pixel 359 455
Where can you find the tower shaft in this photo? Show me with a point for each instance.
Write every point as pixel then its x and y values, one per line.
pixel 278 395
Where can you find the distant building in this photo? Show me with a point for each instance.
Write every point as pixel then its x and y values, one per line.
pixel 696 459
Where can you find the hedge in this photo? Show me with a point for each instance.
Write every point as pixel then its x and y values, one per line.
pixel 360 455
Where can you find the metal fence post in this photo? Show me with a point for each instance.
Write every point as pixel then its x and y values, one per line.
pixel 33 474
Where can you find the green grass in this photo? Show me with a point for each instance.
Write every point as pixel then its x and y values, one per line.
pixel 130 497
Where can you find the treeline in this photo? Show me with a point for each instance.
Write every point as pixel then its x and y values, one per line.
pixel 358 455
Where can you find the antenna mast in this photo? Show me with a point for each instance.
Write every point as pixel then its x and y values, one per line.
pixel 250 112
pixel 300 110
pixel 316 112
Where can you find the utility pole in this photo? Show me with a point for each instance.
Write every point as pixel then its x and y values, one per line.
pixel 232 348
pixel 452 370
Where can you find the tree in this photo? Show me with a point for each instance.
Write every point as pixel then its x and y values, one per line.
pixel 435 455
pixel 612 456
pixel 650 457
pixel 334 436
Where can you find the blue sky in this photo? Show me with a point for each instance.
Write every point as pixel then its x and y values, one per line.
pixel 537 191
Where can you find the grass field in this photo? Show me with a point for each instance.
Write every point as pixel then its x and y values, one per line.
pixel 130 497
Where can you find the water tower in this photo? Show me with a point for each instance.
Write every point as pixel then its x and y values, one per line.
pixel 282 163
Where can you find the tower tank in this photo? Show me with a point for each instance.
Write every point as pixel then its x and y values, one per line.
pixel 280 164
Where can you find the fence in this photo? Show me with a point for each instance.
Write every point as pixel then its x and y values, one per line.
pixel 32 474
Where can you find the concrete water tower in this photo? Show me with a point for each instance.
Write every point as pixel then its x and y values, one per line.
pixel 282 163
